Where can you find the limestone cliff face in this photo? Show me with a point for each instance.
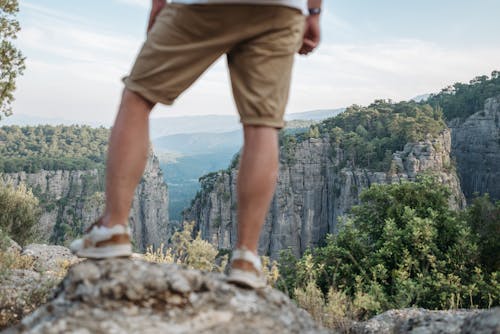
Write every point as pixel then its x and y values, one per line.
pixel 72 200
pixel 313 191
pixel 476 149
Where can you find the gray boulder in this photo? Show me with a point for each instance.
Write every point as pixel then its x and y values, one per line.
pixel 49 257
pixel 421 321
pixel 133 296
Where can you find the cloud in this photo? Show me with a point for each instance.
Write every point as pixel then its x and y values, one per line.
pixel 138 3
pixel 74 68
pixel 344 74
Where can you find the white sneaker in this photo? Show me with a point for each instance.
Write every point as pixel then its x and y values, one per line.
pixel 100 242
pixel 249 279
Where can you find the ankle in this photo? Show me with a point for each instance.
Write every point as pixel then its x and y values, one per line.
pixel 243 265
pixel 109 221
pixel 243 246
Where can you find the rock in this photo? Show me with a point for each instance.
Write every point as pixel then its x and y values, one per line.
pixel 76 199
pixel 421 321
pixel 483 323
pixel 49 257
pixel 12 246
pixel 133 296
pixel 29 278
pixel 313 191
pixel 476 149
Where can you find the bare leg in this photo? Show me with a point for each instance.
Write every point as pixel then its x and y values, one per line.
pixel 127 156
pixel 256 184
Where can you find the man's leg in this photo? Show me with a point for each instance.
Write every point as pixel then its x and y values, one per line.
pixel 256 184
pixel 127 156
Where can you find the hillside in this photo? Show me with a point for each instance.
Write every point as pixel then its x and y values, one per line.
pixel 33 148
pixel 64 168
pixel 185 157
pixel 461 100
pixel 323 171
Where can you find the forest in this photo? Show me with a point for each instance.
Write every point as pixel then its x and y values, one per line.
pixel 32 148
pixel 464 99
pixel 370 135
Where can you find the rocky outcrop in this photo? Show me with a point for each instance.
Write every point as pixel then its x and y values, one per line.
pixel 133 296
pixel 314 190
pixel 28 277
pixel 71 200
pixel 421 321
pixel 476 149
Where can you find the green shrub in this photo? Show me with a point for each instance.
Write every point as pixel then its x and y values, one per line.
pixel 402 247
pixel 20 213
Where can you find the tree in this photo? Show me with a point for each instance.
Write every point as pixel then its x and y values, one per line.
pixel 11 59
pixel 20 213
pixel 404 247
pixel 483 217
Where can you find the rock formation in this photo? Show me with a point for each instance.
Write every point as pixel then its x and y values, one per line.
pixel 421 321
pixel 314 190
pixel 476 149
pixel 133 296
pixel 28 276
pixel 71 200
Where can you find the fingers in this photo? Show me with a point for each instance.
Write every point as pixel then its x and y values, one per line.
pixel 308 46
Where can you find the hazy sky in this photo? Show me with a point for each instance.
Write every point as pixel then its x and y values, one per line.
pixel 77 52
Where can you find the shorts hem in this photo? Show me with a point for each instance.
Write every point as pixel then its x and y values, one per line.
pixel 134 87
pixel 260 121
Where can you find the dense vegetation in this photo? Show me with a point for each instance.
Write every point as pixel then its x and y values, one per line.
pixel 19 213
pixel 31 149
pixel 462 100
pixel 369 135
pixel 403 247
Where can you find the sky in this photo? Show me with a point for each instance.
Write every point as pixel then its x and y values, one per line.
pixel 78 51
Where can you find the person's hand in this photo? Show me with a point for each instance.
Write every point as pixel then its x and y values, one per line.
pixel 311 35
pixel 156 7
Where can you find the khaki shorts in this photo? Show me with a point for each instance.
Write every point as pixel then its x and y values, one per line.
pixel 260 43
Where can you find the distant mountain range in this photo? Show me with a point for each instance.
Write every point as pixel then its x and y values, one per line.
pixel 165 126
pixel 160 127
pixel 190 146
pixel 31 120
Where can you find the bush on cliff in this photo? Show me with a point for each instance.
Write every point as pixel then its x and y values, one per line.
pixel 401 247
pixel 19 213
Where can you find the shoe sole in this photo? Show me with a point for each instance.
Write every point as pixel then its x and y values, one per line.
pixel 245 279
pixel 105 252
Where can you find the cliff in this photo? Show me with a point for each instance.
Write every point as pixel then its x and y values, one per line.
pixel 71 200
pixel 316 186
pixel 476 149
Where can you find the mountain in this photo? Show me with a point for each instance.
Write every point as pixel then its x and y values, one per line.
pixel 472 111
pixel 64 168
pixel 185 157
pixel 165 126
pixel 31 120
pixel 323 171
pixel 315 115
pixel 476 150
pixel 421 98
pixel 199 143
pixel 160 127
